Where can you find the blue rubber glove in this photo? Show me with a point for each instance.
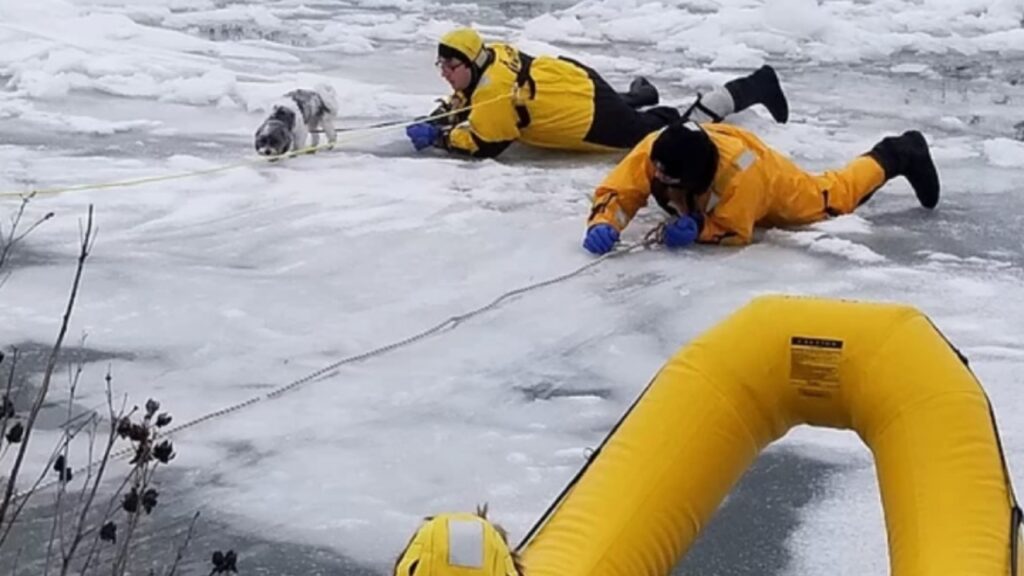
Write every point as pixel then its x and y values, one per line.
pixel 682 232
pixel 423 135
pixel 601 238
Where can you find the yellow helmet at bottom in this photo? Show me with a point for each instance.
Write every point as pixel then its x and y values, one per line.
pixel 456 544
pixel 464 44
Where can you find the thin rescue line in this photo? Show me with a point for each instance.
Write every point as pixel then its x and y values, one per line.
pixel 352 135
pixel 449 324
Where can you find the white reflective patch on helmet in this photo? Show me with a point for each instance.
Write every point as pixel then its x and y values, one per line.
pixel 465 543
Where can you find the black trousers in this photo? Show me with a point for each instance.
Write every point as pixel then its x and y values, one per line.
pixel 616 124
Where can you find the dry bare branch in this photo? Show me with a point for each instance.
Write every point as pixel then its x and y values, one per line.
pixel 80 528
pixel 184 545
pixel 13 237
pixel 86 238
pixel 112 503
pixel 5 419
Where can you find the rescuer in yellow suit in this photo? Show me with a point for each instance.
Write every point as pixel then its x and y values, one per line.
pixel 458 544
pixel 719 181
pixel 560 103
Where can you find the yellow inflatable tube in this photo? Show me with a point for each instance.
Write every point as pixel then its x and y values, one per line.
pixel 883 371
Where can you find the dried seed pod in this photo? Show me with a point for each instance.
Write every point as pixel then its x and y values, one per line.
pixel 130 502
pixel 15 433
pixel 164 451
pixel 108 533
pixel 149 498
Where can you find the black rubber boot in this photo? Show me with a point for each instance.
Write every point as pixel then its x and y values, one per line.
pixel 761 87
pixel 641 93
pixel 907 155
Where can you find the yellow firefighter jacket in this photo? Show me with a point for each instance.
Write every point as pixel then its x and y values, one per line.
pixel 753 185
pixel 543 101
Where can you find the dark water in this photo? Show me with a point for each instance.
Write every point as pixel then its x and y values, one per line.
pixel 29 360
pixel 747 536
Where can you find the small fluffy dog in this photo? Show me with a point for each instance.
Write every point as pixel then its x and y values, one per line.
pixel 298 115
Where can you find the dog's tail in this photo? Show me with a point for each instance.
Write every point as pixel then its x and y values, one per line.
pixel 329 96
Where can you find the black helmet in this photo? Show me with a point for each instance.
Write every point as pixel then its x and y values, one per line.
pixel 684 153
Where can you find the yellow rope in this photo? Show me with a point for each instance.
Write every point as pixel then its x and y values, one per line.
pixel 353 134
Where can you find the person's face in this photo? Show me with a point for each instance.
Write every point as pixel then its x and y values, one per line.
pixel 665 179
pixel 673 188
pixel 456 72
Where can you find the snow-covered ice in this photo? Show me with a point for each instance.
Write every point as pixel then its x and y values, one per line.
pixel 210 290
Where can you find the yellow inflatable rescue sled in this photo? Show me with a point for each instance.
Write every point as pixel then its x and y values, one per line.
pixel 883 371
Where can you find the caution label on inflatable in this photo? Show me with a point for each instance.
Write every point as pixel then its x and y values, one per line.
pixel 814 365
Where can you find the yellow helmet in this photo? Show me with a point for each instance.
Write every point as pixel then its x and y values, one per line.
pixel 464 44
pixel 456 545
